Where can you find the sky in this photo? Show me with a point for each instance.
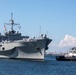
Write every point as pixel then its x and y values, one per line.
pixel 57 19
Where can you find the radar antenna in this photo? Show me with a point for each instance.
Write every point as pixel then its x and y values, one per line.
pixel 12 22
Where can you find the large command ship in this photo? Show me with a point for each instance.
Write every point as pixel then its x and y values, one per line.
pixel 13 45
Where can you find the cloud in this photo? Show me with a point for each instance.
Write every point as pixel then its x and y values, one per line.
pixel 67 41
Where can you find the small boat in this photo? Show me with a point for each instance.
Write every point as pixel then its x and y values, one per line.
pixel 70 56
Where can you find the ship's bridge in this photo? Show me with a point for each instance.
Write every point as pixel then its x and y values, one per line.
pixel 13 35
pixel 73 50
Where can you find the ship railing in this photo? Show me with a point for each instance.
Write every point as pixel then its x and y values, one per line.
pixel 30 39
pixel 7 41
pixel 42 36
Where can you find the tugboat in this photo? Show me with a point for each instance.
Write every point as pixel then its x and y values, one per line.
pixel 70 56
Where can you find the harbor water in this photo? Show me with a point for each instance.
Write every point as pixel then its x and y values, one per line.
pixel 47 67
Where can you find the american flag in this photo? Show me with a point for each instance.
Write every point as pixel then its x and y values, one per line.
pixel 5 27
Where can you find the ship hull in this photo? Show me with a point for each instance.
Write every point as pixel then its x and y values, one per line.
pixel 18 54
pixel 25 50
pixel 62 58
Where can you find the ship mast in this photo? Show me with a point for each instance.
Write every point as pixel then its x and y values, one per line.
pixel 11 22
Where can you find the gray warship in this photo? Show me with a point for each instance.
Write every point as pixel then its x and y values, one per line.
pixel 15 46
